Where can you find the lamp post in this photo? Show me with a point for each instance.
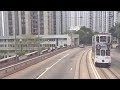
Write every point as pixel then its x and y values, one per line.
pixel 48 44
pixel 86 38
pixel 21 45
pixel 38 33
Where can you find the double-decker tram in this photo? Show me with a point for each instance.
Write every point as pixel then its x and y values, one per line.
pixel 101 46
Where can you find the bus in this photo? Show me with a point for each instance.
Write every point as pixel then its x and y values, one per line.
pixel 101 47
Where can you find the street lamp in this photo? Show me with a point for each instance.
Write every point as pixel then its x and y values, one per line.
pixel 48 44
pixel 86 37
pixel 21 44
pixel 38 33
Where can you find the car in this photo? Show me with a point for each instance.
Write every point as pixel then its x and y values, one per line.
pixel 81 45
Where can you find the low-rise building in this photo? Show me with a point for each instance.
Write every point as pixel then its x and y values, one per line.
pixel 8 45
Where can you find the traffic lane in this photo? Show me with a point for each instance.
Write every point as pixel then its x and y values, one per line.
pixel 31 71
pixel 115 54
pixel 115 60
pixel 35 70
pixel 65 69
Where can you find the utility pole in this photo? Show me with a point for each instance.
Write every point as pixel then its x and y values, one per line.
pixel 15 38
pixel 38 33
pixel 15 45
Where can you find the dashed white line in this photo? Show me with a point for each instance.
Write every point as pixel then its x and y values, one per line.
pixel 51 66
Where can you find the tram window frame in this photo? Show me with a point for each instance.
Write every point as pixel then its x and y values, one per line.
pixel 102 53
pixel 97 39
pixel 107 54
pixel 97 51
pixel 101 39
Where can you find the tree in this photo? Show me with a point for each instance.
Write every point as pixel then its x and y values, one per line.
pixel 96 33
pixel 85 35
pixel 115 31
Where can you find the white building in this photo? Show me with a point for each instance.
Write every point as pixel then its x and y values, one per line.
pixel 25 22
pixel 103 20
pixel 7 44
pixel 1 24
pixel 118 16
pixel 58 22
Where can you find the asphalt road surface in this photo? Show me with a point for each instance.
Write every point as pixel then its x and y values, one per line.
pixel 60 66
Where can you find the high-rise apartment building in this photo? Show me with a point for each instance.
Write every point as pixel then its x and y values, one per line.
pixel 1 24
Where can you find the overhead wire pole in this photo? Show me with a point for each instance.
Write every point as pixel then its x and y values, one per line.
pixel 15 39
pixel 15 45
pixel 38 33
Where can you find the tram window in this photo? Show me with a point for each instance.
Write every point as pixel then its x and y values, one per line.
pixel 97 38
pixel 97 51
pixel 107 52
pixel 108 39
pixel 102 52
pixel 103 39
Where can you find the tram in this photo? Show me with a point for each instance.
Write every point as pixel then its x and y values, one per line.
pixel 101 47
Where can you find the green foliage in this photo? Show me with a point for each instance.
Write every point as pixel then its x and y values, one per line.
pixel 20 53
pixel 115 31
pixel 96 33
pixel 3 51
pixel 85 35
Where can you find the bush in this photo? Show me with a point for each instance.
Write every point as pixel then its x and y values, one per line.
pixel 20 53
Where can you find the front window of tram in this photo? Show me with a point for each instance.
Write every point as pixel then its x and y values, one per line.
pixel 103 39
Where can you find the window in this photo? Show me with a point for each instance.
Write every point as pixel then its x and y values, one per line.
pixel 107 52
pixel 97 38
pixel 103 39
pixel 64 38
pixel 5 56
pixel 97 51
pixel 108 39
pixel 11 31
pixel 10 40
pixel 2 45
pixel 1 40
pixel 102 52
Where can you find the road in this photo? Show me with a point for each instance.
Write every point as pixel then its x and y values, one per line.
pixel 60 66
pixel 71 64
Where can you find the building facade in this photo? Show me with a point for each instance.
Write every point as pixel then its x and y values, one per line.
pixel 26 25
pixel 7 44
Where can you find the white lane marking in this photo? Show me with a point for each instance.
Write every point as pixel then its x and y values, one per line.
pixel 51 66
pixel 70 69
pixel 94 70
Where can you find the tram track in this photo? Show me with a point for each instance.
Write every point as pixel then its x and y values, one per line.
pixel 116 75
pixel 109 74
pixel 84 70
pixel 87 63
pixel 106 73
